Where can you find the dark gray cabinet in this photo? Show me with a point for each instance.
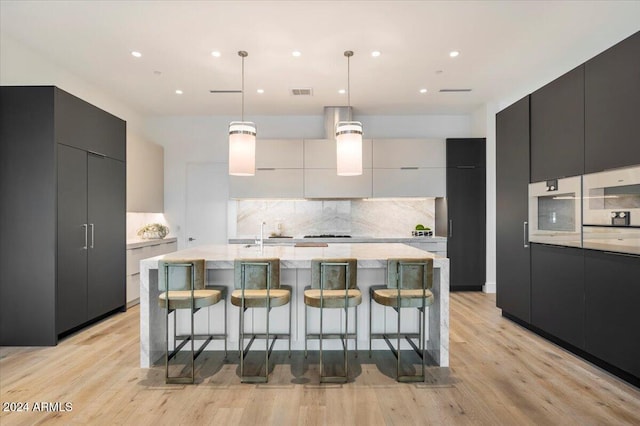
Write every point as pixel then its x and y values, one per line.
pixel 612 321
pixel 557 292
pixel 557 128
pixel 513 263
pixel 466 210
pixel 612 107
pixel 62 214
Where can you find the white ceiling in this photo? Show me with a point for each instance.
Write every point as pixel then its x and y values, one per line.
pixel 505 48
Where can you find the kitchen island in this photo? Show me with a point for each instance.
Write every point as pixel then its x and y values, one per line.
pixel 295 264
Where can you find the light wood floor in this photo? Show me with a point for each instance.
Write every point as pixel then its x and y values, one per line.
pixel 501 374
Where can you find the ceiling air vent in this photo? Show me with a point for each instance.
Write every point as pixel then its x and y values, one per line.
pixel 454 90
pixel 302 91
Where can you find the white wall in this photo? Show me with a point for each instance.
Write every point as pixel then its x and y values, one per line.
pixel 204 139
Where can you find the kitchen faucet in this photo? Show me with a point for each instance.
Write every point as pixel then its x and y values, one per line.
pixel 260 242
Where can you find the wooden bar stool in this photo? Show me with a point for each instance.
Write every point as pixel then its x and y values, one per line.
pixel 333 286
pixel 183 285
pixel 409 283
pixel 257 285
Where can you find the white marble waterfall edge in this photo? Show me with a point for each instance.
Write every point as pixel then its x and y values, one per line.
pixel 295 264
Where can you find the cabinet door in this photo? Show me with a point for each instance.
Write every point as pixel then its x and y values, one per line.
pixel 397 153
pixel 513 263
pixel 279 153
pixel 557 128
pixel 466 246
pixel 325 183
pixel 268 183
pixel 84 126
pixel 72 245
pixel 321 154
pixel 466 152
pixel 612 103
pixel 107 235
pixel 612 316
pixel 410 182
pixel 557 292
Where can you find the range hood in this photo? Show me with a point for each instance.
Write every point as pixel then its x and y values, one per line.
pixel 332 115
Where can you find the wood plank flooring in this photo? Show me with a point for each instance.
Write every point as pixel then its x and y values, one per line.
pixel 500 374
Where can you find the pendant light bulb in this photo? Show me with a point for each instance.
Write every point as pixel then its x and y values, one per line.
pixel 349 137
pixel 242 140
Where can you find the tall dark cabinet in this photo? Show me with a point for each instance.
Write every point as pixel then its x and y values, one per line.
pixel 466 209
pixel 62 214
pixel 611 108
pixel 557 128
pixel 513 263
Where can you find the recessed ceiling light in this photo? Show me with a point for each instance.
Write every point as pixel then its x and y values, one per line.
pixel 261 91
pixel 179 92
pixel 342 91
pixel 375 53
pixel 423 90
pixel 215 54
pixel 454 53
pixel 296 53
pixel 136 54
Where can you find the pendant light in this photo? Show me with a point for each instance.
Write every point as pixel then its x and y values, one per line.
pixel 349 137
pixel 242 140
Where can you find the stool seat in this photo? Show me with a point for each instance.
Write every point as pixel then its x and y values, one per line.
pixel 332 298
pixel 258 298
pixel 181 299
pixel 408 298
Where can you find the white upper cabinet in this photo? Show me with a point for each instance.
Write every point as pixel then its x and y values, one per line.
pixel 321 179
pixel 279 172
pixel 279 154
pixel 409 168
pixel 398 153
pixel 321 154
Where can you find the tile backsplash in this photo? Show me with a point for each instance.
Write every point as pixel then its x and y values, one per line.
pixel 374 218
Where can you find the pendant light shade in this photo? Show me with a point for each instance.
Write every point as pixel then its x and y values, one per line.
pixel 349 138
pixel 242 140
pixel 349 148
pixel 242 148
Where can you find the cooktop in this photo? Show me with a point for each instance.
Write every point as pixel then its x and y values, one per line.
pixel 327 236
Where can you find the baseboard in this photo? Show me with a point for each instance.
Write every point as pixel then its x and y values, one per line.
pixel 489 287
pixel 133 302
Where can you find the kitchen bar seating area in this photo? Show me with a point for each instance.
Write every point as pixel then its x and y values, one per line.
pixel 295 273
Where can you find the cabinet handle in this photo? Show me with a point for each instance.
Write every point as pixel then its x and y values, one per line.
pixel 98 154
pixel 622 254
pixel 408 168
pixel 266 168
pixel 92 235
pixel 525 237
pixel 450 228
pixel 84 225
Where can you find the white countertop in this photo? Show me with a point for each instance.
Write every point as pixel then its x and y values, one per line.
pixel 140 242
pixel 356 239
pixel 370 255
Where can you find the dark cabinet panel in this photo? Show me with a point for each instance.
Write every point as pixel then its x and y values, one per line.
pixel 85 126
pixel 513 264
pixel 612 323
pixel 107 239
pixel 466 207
pixel 71 304
pixel 557 128
pixel 612 107
pixel 466 152
pixel 557 292
pixel 27 217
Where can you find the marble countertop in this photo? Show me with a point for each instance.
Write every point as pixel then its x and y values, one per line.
pixel 356 239
pixel 369 255
pixel 140 242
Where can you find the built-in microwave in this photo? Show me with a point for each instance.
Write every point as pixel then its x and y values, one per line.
pixel 611 210
pixel 555 212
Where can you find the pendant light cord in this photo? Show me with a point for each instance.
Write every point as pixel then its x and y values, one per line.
pixel 349 85
pixel 242 90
